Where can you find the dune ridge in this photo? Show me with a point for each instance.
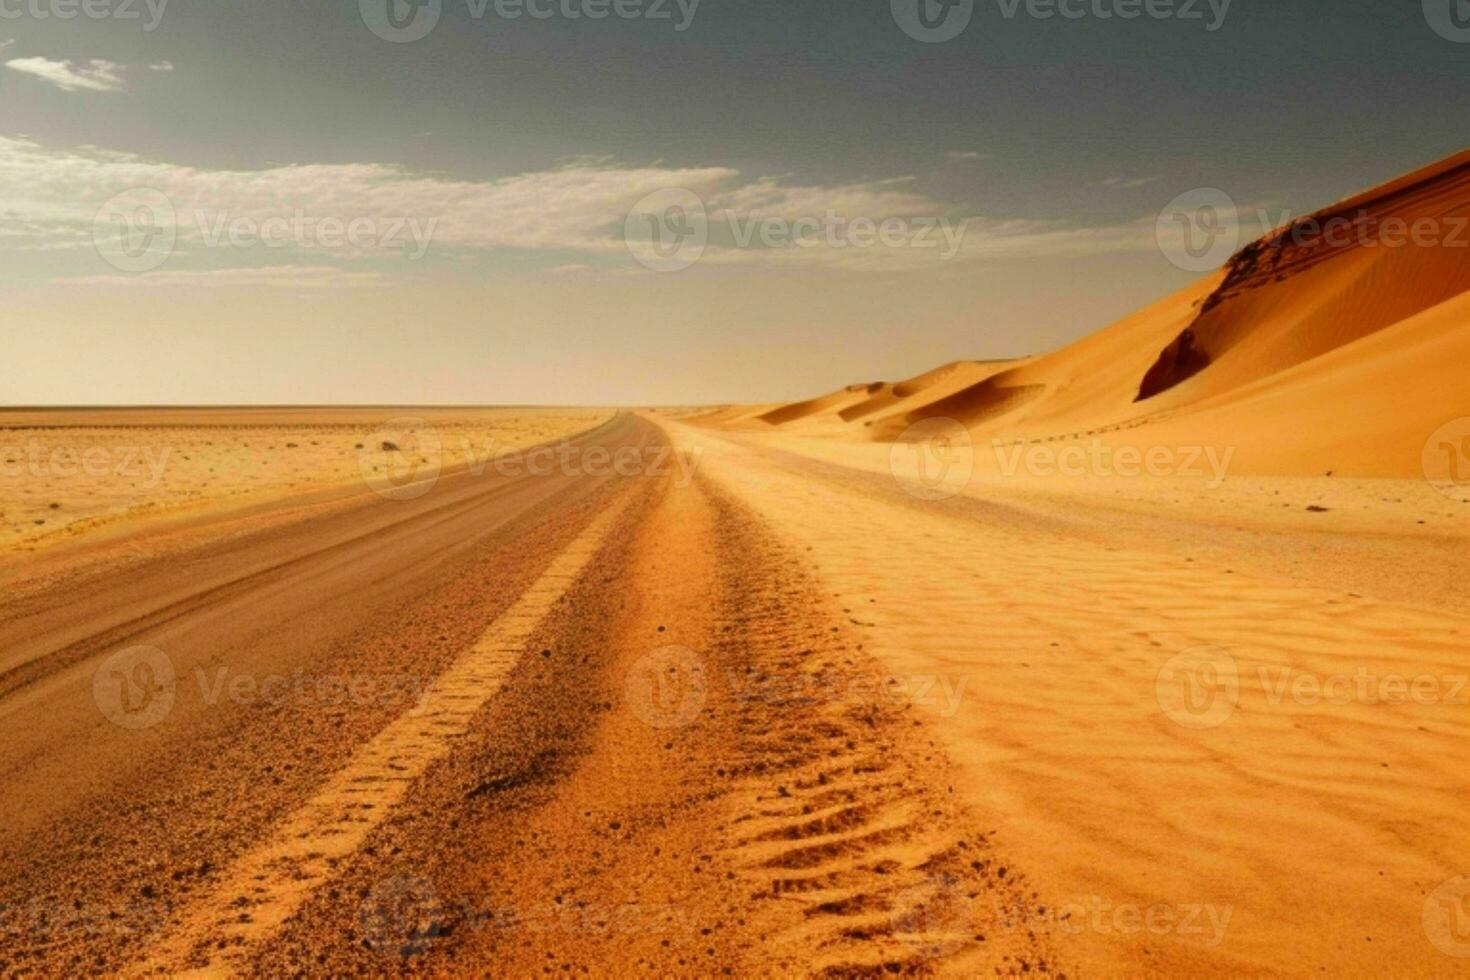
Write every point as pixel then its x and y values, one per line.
pixel 1350 323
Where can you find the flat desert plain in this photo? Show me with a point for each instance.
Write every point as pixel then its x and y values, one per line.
pixel 1147 656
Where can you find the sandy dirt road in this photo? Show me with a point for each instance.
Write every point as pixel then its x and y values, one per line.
pixel 733 711
pixel 554 723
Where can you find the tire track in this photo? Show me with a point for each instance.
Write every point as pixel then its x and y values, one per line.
pixel 267 884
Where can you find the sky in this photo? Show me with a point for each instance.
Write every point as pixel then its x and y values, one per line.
pixel 656 201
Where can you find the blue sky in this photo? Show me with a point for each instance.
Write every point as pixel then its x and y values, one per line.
pixel 491 167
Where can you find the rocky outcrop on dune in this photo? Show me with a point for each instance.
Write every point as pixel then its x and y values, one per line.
pixel 1327 280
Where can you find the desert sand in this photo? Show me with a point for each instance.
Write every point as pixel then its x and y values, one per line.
pixel 67 471
pixel 1147 656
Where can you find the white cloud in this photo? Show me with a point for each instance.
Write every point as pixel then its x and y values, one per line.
pixel 575 212
pixel 96 75
pixel 161 66
pixel 1125 183
pixel 968 155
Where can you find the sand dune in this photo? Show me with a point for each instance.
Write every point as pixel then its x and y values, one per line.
pixel 834 402
pixel 1340 336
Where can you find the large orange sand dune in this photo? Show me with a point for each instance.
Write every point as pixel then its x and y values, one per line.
pixel 1337 342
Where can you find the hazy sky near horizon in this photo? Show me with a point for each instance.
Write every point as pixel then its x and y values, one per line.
pixel 208 202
